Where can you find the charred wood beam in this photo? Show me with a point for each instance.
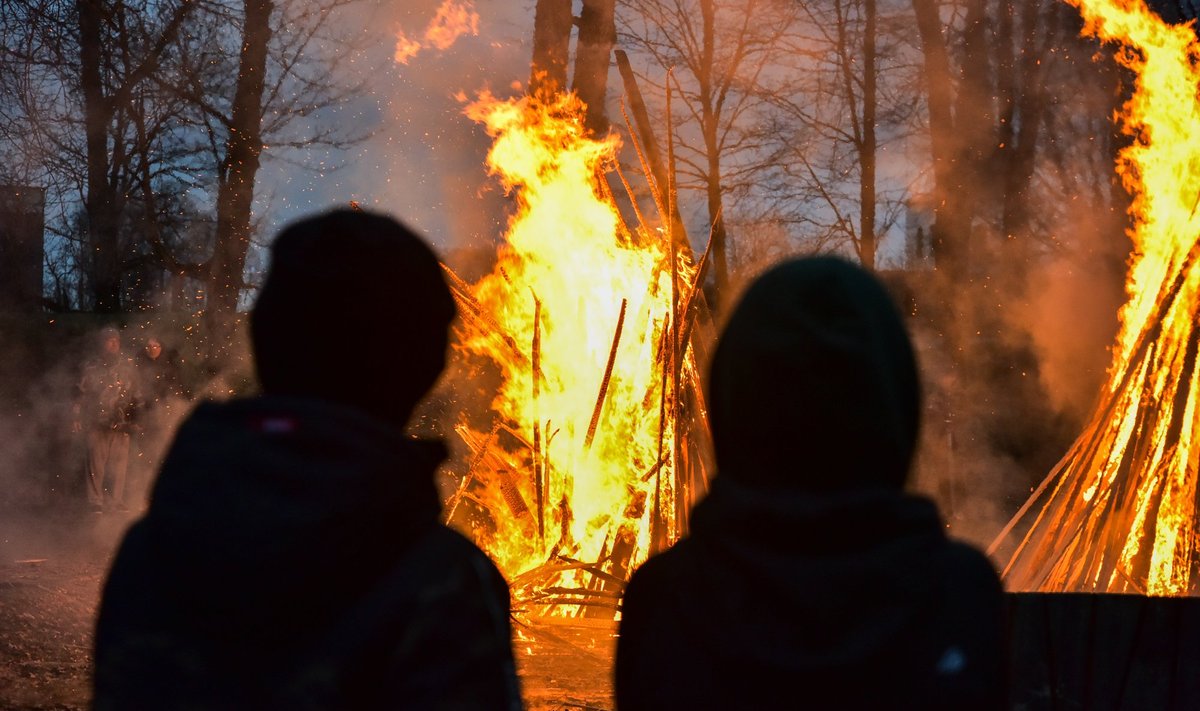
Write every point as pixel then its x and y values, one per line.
pixel 658 171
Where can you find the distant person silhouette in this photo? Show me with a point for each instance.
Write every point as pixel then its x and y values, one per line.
pixel 292 556
pixel 811 580
pixel 163 397
pixel 106 412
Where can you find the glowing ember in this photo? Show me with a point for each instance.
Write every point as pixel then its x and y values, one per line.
pixel 453 19
pixel 1120 511
pixel 580 471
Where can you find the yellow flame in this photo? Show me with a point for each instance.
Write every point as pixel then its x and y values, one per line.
pixel 453 19
pixel 1162 171
pixel 568 259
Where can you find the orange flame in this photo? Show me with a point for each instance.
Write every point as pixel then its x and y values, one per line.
pixel 1122 514
pixel 582 418
pixel 453 19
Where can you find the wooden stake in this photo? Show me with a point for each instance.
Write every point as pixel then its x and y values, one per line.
pixel 612 357
pixel 539 492
pixel 656 174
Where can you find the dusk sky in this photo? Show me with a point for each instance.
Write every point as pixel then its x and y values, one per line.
pixel 424 161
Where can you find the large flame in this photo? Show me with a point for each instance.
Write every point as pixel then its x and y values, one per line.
pixel 579 467
pixel 1120 511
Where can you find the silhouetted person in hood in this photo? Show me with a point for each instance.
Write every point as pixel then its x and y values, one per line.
pixel 810 579
pixel 292 556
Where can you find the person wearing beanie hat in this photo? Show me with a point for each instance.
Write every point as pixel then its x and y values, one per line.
pixel 810 579
pixel 293 555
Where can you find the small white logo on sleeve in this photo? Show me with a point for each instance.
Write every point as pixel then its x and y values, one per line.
pixel 952 662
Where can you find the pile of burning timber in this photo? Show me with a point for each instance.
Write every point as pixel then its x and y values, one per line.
pixel 1120 513
pixel 598 443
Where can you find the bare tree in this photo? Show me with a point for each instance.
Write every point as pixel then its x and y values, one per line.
pixel 258 73
pixel 721 56
pixel 852 95
pixel 105 101
pixel 990 77
pixel 168 97
pixel 549 65
pixel 74 77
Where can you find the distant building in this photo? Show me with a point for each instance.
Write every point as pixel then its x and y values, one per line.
pixel 22 247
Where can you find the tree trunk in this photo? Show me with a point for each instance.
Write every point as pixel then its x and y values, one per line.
pixel 101 202
pixel 235 194
pixel 949 225
pixel 974 130
pixel 551 47
pixel 597 33
pixel 709 121
pixel 1021 147
pixel 867 150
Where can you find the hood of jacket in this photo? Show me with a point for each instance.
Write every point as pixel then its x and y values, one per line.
pixel 808 551
pixel 813 385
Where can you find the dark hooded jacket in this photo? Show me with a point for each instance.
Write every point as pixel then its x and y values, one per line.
pixel 810 579
pixel 292 558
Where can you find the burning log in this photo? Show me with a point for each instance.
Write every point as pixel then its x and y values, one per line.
pixel 557 565
pixel 501 467
pixel 508 489
pixel 637 210
pixel 584 592
pixel 656 174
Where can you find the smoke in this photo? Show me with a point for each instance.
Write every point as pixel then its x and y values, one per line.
pixel 33 424
pixel 1072 317
pixel 42 424
pixel 422 161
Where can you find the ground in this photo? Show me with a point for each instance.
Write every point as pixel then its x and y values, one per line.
pixel 52 564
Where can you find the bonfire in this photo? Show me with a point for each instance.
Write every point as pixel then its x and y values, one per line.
pixel 1119 512
pixel 597 444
